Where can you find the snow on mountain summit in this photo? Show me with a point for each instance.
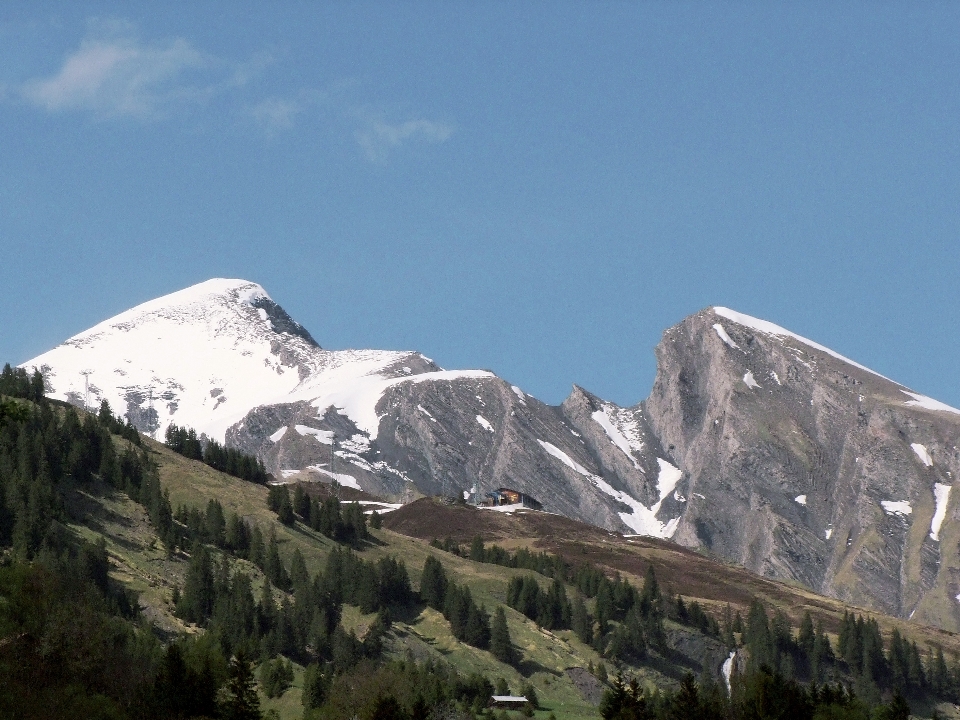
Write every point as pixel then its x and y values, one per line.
pixel 203 357
pixel 769 328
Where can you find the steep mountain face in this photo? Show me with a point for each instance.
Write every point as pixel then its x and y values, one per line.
pixel 756 445
pixel 803 465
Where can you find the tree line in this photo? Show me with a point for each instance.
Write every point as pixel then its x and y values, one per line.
pixel 341 522
pixel 760 694
pixel 623 623
pixel 231 461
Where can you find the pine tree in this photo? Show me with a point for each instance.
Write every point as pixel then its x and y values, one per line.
pixel 242 702
pixel 215 529
pixel 580 620
pixel 274 567
pixel 602 673
pixel 822 655
pixel 805 637
pixel 530 693
pixel 285 511
pixel 301 504
pixel 685 705
pixel 367 593
pixel 237 536
pixel 433 583
pixel 501 646
pixel 478 626
pixel 299 575
pixel 314 687
pixel 197 598
pixel 258 552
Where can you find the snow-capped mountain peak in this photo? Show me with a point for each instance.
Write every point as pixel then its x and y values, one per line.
pixel 202 357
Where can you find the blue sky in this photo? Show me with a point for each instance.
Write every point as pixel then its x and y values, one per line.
pixel 539 189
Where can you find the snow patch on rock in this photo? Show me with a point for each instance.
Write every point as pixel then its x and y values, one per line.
pixel 504 508
pixel 358 397
pixel 750 380
pixel 667 480
pixel 484 423
pixel 927 403
pixel 643 519
pixel 322 436
pixel 723 336
pixel 426 412
pixel 802 499
pixel 357 443
pixel 564 458
pixel 770 329
pixel 922 453
pixel 603 419
pixel 941 495
pixel 345 480
pixel 896 507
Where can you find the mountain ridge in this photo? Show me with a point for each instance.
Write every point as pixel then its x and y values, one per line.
pixel 749 445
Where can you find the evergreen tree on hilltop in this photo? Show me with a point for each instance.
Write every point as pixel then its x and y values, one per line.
pixel 433 583
pixel 501 646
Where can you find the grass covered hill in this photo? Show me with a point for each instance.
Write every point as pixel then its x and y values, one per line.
pixel 691 574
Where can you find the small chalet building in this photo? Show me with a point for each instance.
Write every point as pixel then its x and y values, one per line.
pixel 507 496
pixel 508 702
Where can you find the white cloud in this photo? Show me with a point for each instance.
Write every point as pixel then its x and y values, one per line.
pixel 275 113
pixel 115 74
pixel 121 76
pixel 378 138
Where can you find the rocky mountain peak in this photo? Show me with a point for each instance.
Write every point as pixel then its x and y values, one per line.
pixel 804 465
pixel 202 356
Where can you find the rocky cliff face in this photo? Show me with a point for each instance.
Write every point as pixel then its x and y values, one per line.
pixel 447 436
pixel 755 444
pixel 802 465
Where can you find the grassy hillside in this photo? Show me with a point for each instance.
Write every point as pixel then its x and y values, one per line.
pixel 549 659
pixel 693 575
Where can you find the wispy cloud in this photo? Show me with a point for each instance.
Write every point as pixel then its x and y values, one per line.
pixel 113 73
pixel 378 138
pixel 118 75
pixel 275 114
